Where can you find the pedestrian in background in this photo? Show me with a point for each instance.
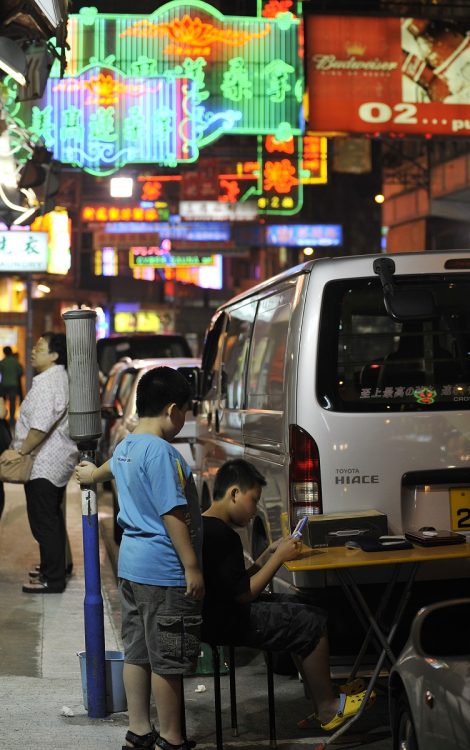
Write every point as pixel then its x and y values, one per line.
pixel 5 440
pixel 42 430
pixel 11 372
pixel 160 580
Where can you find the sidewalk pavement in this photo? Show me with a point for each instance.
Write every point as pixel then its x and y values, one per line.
pixel 41 634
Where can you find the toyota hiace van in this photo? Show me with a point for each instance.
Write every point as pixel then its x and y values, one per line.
pixel 347 382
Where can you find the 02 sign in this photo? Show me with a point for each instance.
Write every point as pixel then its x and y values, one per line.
pixel 404 75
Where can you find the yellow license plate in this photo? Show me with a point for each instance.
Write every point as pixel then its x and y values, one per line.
pixel 460 508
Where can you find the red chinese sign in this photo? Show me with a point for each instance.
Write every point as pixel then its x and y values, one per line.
pixel 401 75
pixel 120 213
pixel 202 183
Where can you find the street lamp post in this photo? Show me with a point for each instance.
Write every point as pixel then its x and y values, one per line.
pixel 85 429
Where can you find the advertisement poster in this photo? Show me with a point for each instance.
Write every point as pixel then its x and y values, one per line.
pixel 383 75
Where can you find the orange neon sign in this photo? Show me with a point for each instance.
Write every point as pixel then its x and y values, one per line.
pixel 119 213
pixel 280 176
pixel 272 145
pixel 102 89
pixel 191 36
pixel 274 7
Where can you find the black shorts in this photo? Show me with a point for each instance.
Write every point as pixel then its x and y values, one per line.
pixel 160 627
pixel 279 622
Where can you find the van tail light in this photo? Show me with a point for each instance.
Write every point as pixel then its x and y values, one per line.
pixel 304 475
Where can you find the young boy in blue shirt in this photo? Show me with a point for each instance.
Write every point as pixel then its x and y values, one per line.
pixel 160 581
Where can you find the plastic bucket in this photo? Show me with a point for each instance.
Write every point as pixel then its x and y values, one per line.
pixel 115 695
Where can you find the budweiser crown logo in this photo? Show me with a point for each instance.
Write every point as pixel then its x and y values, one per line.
pixel 355 48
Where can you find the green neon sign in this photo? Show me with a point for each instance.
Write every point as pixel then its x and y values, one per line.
pixel 216 75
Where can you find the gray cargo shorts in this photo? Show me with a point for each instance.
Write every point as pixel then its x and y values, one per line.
pixel 160 627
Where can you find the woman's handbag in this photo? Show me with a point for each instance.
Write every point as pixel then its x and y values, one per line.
pixel 14 467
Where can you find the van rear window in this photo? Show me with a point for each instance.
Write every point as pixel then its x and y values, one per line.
pixel 370 362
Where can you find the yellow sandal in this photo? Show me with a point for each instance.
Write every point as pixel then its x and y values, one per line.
pixel 349 688
pixel 349 706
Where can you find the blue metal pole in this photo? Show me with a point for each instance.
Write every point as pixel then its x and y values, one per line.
pixel 85 429
pixel 93 602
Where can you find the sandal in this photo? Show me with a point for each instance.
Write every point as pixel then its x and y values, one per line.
pixel 165 745
pixel 349 705
pixel 349 688
pixel 139 741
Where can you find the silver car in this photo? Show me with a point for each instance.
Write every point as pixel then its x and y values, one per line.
pixel 430 682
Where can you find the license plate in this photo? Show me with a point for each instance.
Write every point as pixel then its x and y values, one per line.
pixel 460 508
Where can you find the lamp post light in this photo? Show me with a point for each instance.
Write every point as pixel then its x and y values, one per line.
pixel 85 429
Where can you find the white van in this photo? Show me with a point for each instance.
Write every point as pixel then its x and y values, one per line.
pixel 346 381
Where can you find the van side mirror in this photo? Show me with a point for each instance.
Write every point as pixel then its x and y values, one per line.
pixel 403 304
pixel 193 376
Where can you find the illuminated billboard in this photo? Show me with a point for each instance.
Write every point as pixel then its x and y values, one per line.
pixel 157 88
pixel 23 251
pixel 157 257
pixel 303 235
pixel 401 75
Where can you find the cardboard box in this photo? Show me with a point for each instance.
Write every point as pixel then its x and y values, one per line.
pixel 334 529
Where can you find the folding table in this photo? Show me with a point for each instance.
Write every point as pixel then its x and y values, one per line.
pixel 341 560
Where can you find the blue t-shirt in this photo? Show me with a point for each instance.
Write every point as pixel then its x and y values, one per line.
pixel 152 478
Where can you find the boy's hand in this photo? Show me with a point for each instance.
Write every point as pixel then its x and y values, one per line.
pixel 84 472
pixel 274 545
pixel 288 548
pixel 194 584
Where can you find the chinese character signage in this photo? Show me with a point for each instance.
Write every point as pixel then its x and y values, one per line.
pixel 279 184
pixel 100 213
pixel 402 75
pixel 200 210
pixel 158 88
pixel 23 251
pixel 101 119
pixel 158 257
pixel 303 235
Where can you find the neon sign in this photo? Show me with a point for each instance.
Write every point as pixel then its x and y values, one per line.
pixel 157 88
pixel 119 213
pixel 158 257
pixel 23 251
pixel 301 235
pixel 101 119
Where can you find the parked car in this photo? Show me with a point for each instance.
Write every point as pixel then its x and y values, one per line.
pixel 120 413
pixel 139 346
pixel 430 682
pixel 113 400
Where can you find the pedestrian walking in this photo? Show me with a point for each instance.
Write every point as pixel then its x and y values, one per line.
pixel 5 440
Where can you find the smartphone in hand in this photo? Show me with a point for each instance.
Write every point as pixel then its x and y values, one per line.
pixel 297 533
